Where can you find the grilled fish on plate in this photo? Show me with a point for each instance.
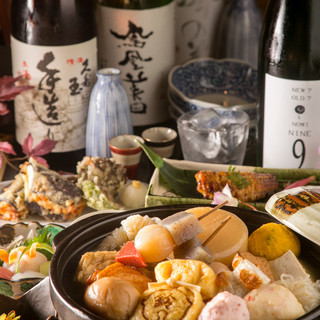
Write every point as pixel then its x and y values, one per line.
pixel 299 209
pixel 245 186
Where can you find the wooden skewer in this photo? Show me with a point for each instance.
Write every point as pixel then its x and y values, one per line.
pixel 214 209
pixel 222 224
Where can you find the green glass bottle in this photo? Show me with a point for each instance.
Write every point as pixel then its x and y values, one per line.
pixel 289 85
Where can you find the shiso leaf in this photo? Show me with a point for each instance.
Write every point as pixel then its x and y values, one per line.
pixel 180 181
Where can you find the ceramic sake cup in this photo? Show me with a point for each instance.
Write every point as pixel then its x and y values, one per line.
pixel 126 150
pixel 161 140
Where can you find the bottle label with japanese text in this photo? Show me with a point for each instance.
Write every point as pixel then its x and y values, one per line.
pixel 141 43
pixel 291 123
pixel 56 108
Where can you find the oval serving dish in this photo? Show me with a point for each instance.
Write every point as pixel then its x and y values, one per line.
pixel 85 236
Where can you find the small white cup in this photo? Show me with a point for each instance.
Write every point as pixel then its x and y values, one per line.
pixel 126 150
pixel 161 140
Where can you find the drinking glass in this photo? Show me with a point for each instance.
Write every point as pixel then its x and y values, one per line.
pixel 214 135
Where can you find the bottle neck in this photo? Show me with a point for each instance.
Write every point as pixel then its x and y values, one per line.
pixel 53 22
pixel 134 4
pixel 108 75
pixel 289 38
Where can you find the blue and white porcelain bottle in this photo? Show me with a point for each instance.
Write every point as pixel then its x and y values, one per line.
pixel 109 113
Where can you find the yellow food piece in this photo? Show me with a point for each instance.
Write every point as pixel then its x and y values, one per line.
pixel 169 303
pixel 191 271
pixel 272 240
pixel 232 238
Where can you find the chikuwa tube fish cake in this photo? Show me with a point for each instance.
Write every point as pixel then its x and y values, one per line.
pixel 50 194
pixel 168 303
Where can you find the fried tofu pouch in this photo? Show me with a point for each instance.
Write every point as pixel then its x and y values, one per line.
pixel 190 271
pixel 165 302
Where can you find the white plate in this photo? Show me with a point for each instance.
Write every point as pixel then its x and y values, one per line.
pixel 159 195
pixel 43 221
pixel 305 221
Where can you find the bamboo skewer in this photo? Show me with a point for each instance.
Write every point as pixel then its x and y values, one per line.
pixel 222 224
pixel 214 209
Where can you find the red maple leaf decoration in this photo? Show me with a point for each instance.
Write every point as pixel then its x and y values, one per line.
pixel 43 147
pixel 8 91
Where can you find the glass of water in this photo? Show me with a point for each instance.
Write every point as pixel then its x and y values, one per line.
pixel 214 135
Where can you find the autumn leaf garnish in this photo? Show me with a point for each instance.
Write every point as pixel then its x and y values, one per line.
pixel 9 90
pixel 43 147
pixel 5 147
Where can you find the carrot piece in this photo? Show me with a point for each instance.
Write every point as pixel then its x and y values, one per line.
pixel 4 255
pixel 130 256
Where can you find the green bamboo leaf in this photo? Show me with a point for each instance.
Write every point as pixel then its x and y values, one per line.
pixel 180 181
pixel 290 175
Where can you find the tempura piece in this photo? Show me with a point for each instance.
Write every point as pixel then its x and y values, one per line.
pixel 101 180
pixel 12 201
pixel 50 194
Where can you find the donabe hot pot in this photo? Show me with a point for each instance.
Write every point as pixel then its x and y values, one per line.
pixel 85 235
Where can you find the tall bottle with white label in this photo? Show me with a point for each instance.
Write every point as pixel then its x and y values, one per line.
pixel 289 84
pixel 138 37
pixel 54 46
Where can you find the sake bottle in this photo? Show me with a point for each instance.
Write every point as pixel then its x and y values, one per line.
pixel 54 46
pixel 289 85
pixel 138 38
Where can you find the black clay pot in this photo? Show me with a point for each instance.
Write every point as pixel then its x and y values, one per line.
pixel 85 235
